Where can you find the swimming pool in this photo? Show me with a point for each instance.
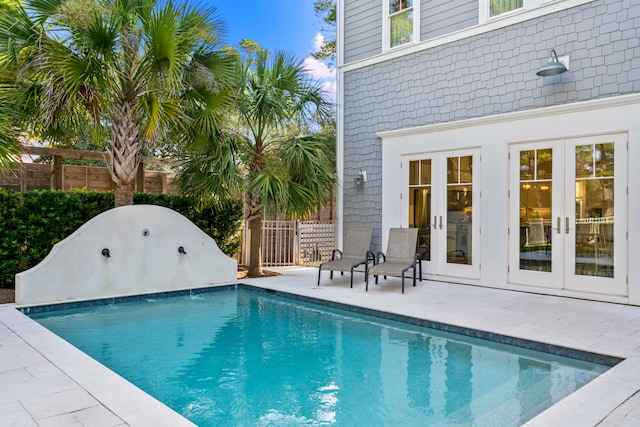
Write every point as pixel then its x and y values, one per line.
pixel 240 357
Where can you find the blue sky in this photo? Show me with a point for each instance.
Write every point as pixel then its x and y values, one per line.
pixel 289 25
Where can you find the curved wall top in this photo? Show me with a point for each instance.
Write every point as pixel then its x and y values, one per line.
pixel 143 243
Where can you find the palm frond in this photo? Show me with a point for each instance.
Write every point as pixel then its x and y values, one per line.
pixel 212 170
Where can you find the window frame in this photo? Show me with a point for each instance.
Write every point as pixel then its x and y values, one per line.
pixel 386 24
pixel 531 9
pixel 527 5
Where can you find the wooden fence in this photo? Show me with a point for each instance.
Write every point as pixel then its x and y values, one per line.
pixel 58 176
pixel 283 242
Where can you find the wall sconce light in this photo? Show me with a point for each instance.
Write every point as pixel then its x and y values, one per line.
pixel 361 177
pixel 554 66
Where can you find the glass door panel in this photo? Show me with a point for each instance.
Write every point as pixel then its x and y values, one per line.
pixel 595 216
pixel 420 204
pixel 567 221
pixel 441 204
pixel 535 195
pixel 459 210
pixel 536 200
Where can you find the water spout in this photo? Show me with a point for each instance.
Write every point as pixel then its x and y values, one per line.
pixel 181 250
pixel 106 253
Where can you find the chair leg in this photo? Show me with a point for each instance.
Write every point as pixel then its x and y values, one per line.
pixel 366 281
pixel 351 277
pixel 319 270
pixel 414 276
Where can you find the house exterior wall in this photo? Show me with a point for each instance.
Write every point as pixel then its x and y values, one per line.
pixel 440 17
pixel 363 23
pixel 362 29
pixel 486 74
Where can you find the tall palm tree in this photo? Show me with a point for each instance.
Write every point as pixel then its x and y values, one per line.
pixel 9 136
pixel 9 142
pixel 134 67
pixel 257 156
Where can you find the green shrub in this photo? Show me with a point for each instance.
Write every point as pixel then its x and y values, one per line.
pixel 11 256
pixel 32 222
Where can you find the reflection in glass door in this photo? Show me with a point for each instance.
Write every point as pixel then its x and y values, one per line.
pixel 459 209
pixel 536 189
pixel 420 204
pixel 594 183
pixel 442 204
pixel 564 231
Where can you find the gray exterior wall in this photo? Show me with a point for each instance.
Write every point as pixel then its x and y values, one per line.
pixel 440 17
pixel 363 23
pixel 362 29
pixel 489 74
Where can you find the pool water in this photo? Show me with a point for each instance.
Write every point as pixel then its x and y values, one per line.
pixel 247 358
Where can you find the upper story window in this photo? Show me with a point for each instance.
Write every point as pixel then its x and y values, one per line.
pixel 401 22
pixel 498 7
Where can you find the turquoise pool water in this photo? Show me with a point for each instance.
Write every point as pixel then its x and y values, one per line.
pixel 246 358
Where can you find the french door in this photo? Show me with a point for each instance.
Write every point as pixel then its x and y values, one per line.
pixel 443 199
pixel 567 221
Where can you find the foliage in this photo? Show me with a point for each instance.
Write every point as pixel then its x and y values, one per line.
pixel 31 223
pixel 258 153
pixel 11 256
pixel 126 72
pixel 326 9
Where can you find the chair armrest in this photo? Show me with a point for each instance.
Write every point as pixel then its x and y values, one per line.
pixel 381 255
pixel 334 252
pixel 371 257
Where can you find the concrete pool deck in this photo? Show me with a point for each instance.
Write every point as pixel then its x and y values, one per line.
pixel 46 382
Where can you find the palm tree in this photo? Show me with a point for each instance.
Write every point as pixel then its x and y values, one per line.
pixel 258 156
pixel 9 142
pixel 132 68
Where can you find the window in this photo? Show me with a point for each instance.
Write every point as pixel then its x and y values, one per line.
pixel 401 18
pixel 498 7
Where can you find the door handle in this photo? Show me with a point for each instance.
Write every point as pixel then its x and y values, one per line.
pixel 435 222
pixel 559 222
pixel 566 225
pixel 440 222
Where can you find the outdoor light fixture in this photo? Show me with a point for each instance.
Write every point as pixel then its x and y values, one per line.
pixel 553 67
pixel 361 178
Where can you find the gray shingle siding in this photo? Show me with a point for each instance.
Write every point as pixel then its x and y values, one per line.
pixel 440 17
pixel 362 29
pixel 489 74
pixel 363 23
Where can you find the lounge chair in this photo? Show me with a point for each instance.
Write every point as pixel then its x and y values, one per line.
pixel 356 252
pixel 401 256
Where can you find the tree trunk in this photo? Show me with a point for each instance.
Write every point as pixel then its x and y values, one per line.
pixel 124 146
pixel 255 247
pixel 124 195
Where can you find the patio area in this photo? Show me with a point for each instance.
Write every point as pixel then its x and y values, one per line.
pixel 46 382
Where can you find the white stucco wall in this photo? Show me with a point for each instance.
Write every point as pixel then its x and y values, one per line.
pixel 75 269
pixel 493 136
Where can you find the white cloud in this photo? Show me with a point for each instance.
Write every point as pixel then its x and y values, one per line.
pixel 318 69
pixel 321 71
pixel 318 41
pixel 330 89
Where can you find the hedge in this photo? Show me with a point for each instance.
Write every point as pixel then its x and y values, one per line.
pixel 32 222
